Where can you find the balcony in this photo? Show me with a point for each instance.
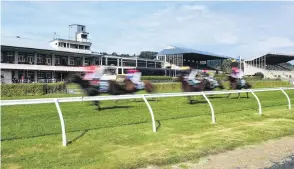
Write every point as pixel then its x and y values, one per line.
pixel 41 67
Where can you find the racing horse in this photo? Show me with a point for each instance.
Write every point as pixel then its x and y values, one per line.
pixel 186 87
pixel 235 85
pixel 126 86
pixel 112 87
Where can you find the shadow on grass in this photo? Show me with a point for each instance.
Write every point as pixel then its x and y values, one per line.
pixel 79 136
pixel 159 124
pixel 115 107
pixel 149 100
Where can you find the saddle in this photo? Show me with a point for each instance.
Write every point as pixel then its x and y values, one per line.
pixel 192 83
pixel 241 82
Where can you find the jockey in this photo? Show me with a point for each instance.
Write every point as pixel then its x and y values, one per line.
pixel 192 76
pixel 89 72
pixel 210 78
pixel 134 75
pixel 205 73
pixel 238 74
pixel 93 73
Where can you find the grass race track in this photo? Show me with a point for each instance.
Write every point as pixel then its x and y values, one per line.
pixel 120 136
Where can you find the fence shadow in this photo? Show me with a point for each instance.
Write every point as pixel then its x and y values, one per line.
pixel 79 136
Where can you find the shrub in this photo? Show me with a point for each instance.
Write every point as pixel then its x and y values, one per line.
pixel 259 75
pixel 156 78
pixel 33 89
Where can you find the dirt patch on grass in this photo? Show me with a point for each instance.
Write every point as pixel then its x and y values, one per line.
pixel 259 156
pixel 12 166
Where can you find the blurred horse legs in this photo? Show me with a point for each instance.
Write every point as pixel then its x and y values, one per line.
pixel 97 103
pixel 229 95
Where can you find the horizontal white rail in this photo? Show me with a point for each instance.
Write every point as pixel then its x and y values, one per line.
pixel 123 97
pixel 137 96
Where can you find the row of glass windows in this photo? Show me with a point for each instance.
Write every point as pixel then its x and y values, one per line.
pixel 73 46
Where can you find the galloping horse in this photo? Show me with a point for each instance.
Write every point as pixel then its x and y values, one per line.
pixel 234 85
pixel 189 88
pixel 112 87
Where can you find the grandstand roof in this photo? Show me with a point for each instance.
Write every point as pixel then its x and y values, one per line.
pixel 200 55
pixel 275 58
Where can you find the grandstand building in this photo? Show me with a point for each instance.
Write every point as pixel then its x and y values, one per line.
pixel 61 57
pixel 271 66
pixel 177 57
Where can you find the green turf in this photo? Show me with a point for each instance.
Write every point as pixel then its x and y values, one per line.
pixel 122 137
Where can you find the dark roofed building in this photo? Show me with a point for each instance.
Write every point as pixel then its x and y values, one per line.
pixel 176 57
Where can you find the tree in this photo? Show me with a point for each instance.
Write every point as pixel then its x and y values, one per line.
pixel 125 55
pixel 226 66
pixel 148 54
pixel 114 54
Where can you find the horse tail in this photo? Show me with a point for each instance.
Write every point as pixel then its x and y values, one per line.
pixel 248 86
pixel 221 85
pixel 149 87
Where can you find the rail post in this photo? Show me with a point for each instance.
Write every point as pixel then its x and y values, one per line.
pixel 289 101
pixel 64 142
pixel 211 107
pixel 259 104
pixel 151 113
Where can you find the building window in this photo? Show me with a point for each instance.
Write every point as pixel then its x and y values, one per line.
pixel 39 58
pixel 74 46
pixel 48 60
pixel 40 75
pixel 9 54
pixel 57 60
pixel 87 61
pixel 30 58
pixel 48 75
pixel 21 57
pixel 71 61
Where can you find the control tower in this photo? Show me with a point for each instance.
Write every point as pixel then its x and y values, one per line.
pixel 80 43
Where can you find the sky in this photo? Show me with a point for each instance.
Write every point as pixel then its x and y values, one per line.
pixel 247 29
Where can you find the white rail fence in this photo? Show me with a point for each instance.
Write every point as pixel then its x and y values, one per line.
pixel 56 101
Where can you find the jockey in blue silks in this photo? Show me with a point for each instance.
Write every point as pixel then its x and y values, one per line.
pixel 135 76
pixel 191 77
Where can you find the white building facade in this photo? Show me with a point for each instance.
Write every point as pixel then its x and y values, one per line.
pixel 61 58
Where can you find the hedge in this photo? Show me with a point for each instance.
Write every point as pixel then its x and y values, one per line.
pixel 156 78
pixel 31 89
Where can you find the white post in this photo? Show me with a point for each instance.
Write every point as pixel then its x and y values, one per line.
pixel 151 113
pixel 257 99
pixel 289 101
pixel 64 143
pixel 211 108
